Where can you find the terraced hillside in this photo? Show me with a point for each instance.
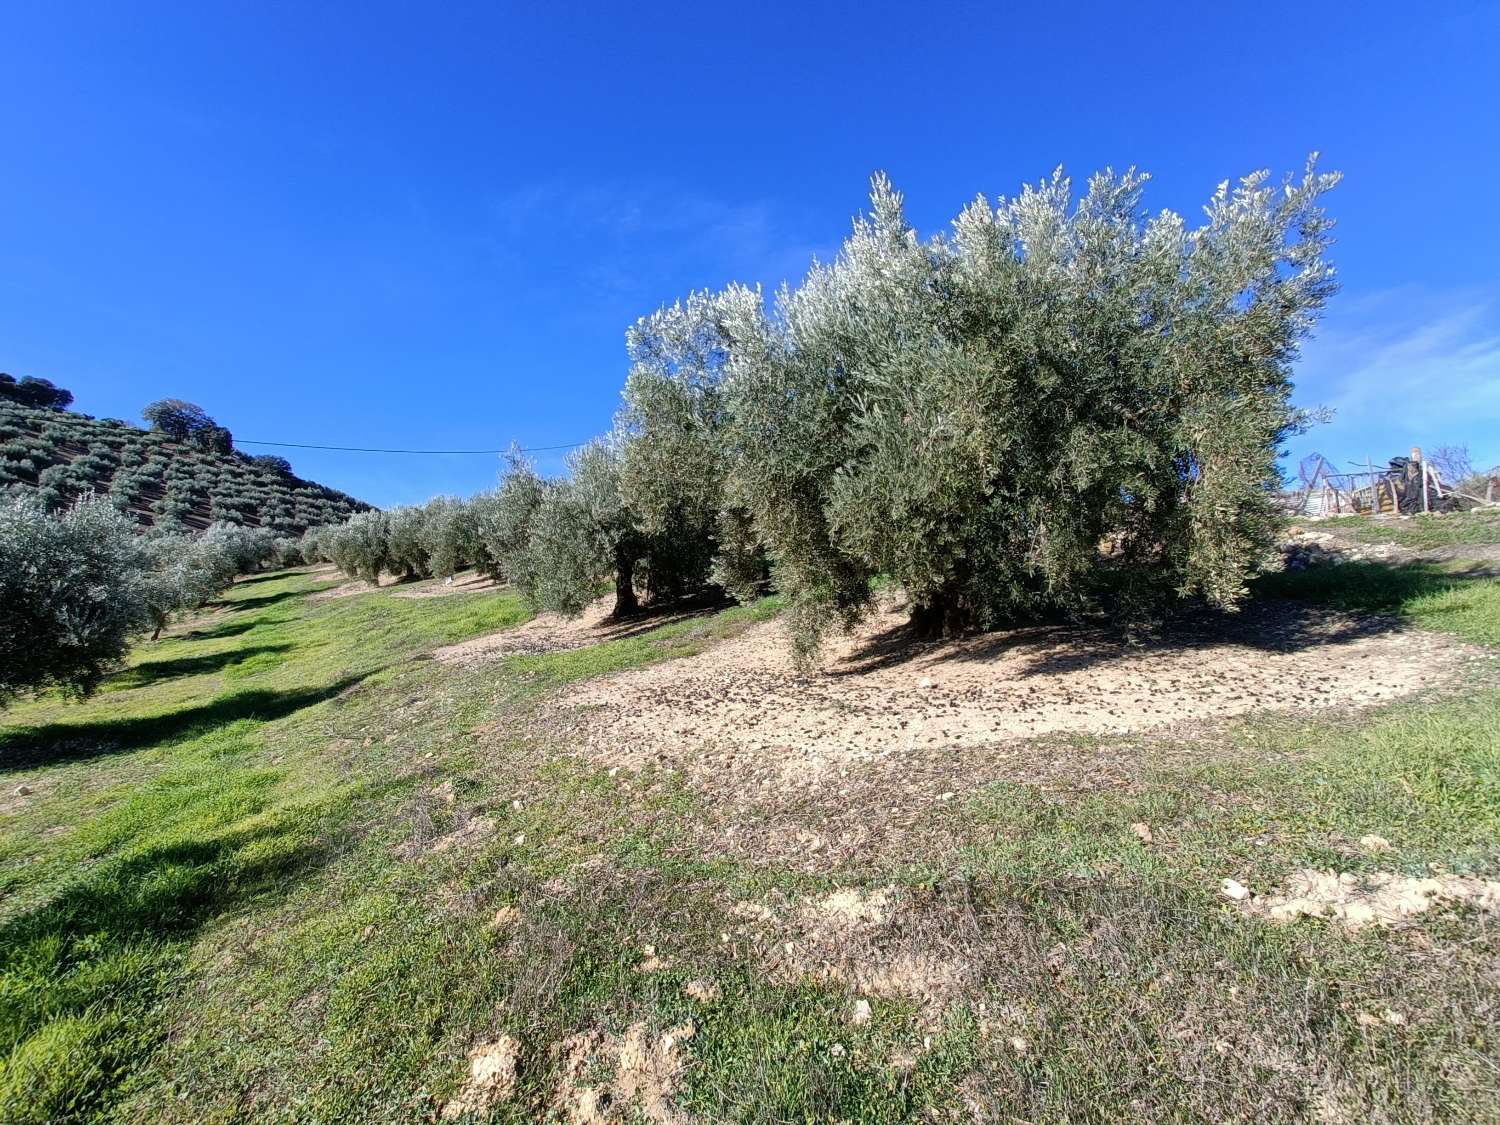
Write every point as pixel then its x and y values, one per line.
pixel 154 478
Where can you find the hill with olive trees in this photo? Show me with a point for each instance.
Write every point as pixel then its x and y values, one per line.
pixel 182 473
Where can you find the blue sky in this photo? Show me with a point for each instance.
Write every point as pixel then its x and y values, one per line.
pixel 429 225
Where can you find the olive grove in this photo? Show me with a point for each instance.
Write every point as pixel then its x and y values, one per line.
pixel 1060 407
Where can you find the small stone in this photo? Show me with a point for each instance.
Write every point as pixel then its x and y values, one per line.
pixel 1231 888
pixel 861 1012
pixel 520 839
pixel 23 790
pixel 837 1051
pixel 1143 830
pixel 1374 843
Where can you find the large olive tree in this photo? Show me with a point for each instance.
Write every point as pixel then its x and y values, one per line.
pixel 1061 405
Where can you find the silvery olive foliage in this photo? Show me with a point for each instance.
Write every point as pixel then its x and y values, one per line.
pixel 503 522
pixel 359 546
pixel 70 594
pixel 405 542
pixel 186 571
pixel 1059 406
pixel 450 536
pixel 672 429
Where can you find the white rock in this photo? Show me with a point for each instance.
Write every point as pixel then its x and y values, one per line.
pixel 1231 888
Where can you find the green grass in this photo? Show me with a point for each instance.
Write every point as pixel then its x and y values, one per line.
pixel 1429 596
pixel 248 885
pixel 1480 527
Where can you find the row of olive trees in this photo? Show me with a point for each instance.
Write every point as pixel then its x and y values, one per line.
pixel 1061 407
pixel 77 586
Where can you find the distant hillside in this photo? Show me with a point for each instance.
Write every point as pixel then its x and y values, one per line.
pixel 154 477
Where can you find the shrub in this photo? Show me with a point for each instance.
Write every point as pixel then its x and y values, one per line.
pixel 70 588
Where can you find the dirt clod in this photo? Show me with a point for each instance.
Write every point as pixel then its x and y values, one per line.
pixel 492 1078
pixel 1381 898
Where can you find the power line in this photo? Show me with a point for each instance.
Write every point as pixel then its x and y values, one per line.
pixel 366 449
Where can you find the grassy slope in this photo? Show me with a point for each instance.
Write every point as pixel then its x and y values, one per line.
pixel 217 903
pixel 1457 529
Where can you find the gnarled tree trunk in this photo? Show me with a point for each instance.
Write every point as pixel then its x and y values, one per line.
pixel 626 602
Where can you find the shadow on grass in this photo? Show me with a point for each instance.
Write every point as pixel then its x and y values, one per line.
pixel 155 671
pixel 1290 611
pixel 227 629
pixel 255 579
pixel 240 604
pixel 24 748
pixel 87 971
pixel 1367 587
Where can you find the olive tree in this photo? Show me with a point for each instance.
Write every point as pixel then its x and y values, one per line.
pixel 186 571
pixel 450 536
pixel 675 461
pixel 70 594
pixel 584 536
pixel 1058 407
pixel 359 546
pixel 406 548
pixel 503 523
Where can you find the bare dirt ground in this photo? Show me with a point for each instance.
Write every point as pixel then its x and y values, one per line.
pixel 815 770
pixel 551 632
pixel 745 707
pixel 468 582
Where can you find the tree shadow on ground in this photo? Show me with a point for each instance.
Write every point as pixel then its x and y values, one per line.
pixel 154 671
pixel 1290 611
pixel 130 900
pixel 23 748
pixel 108 949
pixel 255 579
pixel 227 629
pixel 650 620
pixel 240 604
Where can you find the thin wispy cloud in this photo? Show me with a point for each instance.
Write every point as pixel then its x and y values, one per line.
pixel 1404 368
pixel 634 246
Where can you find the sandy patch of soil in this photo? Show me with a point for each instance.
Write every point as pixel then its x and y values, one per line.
pixel 492 1078
pixel 1378 899
pixel 817 772
pixel 353 586
pixel 551 632
pixel 608 1077
pixel 468 582
pixel 742 710
pixel 859 938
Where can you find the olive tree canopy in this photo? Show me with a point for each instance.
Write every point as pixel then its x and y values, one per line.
pixel 1059 406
